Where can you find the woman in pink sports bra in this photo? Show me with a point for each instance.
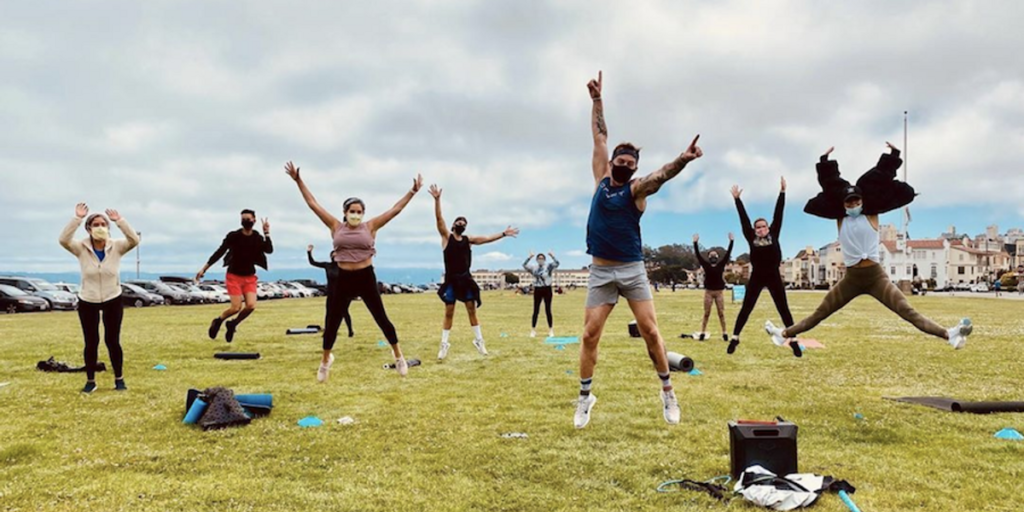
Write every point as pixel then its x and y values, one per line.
pixel 354 251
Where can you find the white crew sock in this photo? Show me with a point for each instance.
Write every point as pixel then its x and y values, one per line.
pixel 476 332
pixel 444 335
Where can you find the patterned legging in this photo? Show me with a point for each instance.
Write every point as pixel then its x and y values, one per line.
pixel 871 281
pixel 718 297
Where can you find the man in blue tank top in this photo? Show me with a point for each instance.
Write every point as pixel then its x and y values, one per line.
pixel 617 268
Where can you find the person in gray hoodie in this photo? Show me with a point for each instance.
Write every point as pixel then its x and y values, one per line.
pixel 543 274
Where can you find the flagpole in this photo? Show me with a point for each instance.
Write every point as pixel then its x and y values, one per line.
pixel 905 153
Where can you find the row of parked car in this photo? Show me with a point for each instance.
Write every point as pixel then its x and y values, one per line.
pixel 24 294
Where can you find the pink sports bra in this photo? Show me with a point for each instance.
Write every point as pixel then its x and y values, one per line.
pixel 353 245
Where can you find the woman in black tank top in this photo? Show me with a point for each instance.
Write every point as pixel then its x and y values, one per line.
pixel 458 285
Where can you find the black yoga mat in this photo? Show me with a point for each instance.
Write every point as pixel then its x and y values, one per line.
pixel 237 355
pixel 954 405
pixel 410 362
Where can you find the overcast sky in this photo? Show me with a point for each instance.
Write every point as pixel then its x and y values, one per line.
pixel 180 114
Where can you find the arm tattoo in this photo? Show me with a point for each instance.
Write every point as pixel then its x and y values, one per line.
pixel 602 129
pixel 652 182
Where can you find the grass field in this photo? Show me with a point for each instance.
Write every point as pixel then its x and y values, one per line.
pixel 432 441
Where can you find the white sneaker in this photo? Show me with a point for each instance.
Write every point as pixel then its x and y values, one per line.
pixel 479 344
pixel 583 406
pixel 958 335
pixel 551 333
pixel 441 354
pixel 671 406
pixel 402 366
pixel 777 338
pixel 325 369
pixel 533 333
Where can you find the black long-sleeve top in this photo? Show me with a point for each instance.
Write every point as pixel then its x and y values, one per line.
pixel 714 279
pixel 244 252
pixel 330 268
pixel 765 253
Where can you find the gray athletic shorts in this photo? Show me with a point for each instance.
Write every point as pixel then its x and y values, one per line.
pixel 606 283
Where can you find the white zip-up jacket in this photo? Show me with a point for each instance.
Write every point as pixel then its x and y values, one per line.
pixel 101 280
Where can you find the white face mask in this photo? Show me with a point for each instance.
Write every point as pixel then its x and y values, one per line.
pixel 100 233
pixel 354 219
pixel 854 212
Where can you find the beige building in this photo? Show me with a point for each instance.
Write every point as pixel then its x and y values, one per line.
pixel 804 270
pixel 832 261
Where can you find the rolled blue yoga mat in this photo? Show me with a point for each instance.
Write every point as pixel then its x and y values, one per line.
pixel 195 412
pixel 259 400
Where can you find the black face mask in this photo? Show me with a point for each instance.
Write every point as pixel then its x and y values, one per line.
pixel 713 259
pixel 621 173
pixel 248 224
pixel 459 229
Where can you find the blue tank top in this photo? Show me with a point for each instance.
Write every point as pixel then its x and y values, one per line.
pixel 613 229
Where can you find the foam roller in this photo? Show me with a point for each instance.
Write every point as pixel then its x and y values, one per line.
pixel 679 362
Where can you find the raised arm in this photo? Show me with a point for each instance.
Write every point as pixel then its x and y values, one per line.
pixel 131 238
pixel 526 264
pixel 382 220
pixel 696 251
pixel 780 206
pixel 480 240
pixel 728 252
pixel 329 220
pixel 600 130
pixel 442 226
pixel 268 246
pixel 309 254
pixel 748 230
pixel 651 184
pixel 65 239
pixel 554 261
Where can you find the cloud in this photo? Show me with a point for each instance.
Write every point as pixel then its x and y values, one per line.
pixel 181 122
pixel 494 257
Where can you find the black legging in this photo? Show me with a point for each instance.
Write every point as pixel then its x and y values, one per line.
pixel 345 317
pixel 89 315
pixel 759 281
pixel 352 284
pixel 542 293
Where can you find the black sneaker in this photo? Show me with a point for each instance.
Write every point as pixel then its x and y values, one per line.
pixel 119 385
pixel 725 337
pixel 89 387
pixel 229 334
pixel 795 345
pixel 733 343
pixel 215 327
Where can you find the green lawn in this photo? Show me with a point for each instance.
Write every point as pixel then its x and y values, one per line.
pixel 432 441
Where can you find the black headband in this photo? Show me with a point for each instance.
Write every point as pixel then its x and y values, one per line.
pixel 623 150
pixel 463 219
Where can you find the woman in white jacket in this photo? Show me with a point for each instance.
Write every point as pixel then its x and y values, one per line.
pixel 100 259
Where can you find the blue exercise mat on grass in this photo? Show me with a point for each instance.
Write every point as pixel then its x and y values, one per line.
pixel 562 340
pixel 159 367
pixel 1010 434
pixel 695 372
pixel 310 421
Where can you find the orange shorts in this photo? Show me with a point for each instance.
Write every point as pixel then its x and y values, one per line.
pixel 240 285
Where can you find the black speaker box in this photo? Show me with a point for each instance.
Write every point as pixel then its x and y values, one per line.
pixel 771 445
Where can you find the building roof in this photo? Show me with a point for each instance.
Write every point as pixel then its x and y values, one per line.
pixel 927 244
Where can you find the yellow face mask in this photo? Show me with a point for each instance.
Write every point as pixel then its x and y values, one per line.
pixel 354 219
pixel 100 233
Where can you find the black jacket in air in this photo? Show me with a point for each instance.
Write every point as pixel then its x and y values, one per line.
pixel 881 192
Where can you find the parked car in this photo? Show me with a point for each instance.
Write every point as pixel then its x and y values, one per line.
pixel 194 295
pixel 979 287
pixel 54 297
pixel 71 288
pixel 13 300
pixel 313 285
pixel 263 292
pixel 132 295
pixel 215 292
pixel 170 295
pixel 298 288
pixel 280 291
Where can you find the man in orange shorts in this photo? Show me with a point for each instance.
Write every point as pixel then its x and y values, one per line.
pixel 245 249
